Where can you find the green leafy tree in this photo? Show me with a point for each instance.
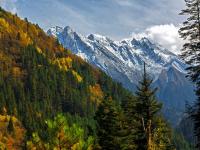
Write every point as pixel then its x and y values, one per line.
pixel 62 136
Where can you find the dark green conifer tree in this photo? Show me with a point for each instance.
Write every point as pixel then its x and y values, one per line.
pixel 147 107
pixel 190 31
pixel 18 37
pixel 10 127
pixel 130 123
pixel 109 125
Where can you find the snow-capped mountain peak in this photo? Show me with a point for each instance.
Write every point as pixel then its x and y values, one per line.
pixel 55 31
pixel 98 37
pixel 68 30
pixel 123 61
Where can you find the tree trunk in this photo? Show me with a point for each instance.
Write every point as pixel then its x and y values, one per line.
pixel 149 135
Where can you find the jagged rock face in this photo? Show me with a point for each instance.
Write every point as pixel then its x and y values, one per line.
pixel 123 61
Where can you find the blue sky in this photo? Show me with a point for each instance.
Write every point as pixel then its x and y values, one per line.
pixel 114 18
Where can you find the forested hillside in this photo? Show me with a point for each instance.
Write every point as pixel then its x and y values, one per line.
pixel 39 78
pixel 48 98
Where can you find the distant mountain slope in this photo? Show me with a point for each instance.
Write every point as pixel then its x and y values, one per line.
pixel 123 61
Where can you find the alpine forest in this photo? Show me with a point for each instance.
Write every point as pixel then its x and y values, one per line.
pixel 53 98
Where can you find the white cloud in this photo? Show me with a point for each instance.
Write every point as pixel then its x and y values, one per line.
pixel 9 5
pixel 166 35
pixel 124 2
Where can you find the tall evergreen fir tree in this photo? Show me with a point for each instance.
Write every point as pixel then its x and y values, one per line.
pixel 109 125
pixel 144 128
pixel 190 31
pixel 147 108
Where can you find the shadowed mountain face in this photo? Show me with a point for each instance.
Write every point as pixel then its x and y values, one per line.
pixel 123 61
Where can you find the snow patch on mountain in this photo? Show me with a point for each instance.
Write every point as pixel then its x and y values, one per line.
pixel 123 61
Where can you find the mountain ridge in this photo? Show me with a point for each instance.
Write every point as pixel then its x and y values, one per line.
pixel 123 60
